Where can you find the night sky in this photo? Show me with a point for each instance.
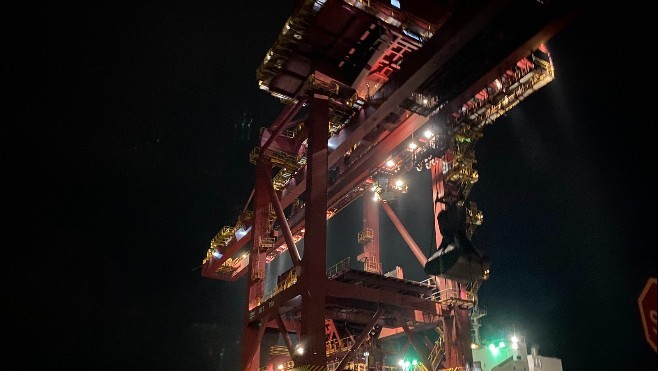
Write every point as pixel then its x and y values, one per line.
pixel 130 156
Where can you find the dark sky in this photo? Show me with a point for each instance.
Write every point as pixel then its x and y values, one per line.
pixel 127 162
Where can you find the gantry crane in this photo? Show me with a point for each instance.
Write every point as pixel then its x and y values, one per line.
pixel 371 90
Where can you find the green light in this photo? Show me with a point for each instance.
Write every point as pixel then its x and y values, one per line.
pixel 501 344
pixel 414 362
pixel 493 349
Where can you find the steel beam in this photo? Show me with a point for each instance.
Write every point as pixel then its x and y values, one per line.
pixel 214 264
pixel 405 234
pixel 249 357
pixel 284 333
pixel 438 191
pixel 250 345
pixel 359 339
pixel 457 336
pixel 458 31
pixel 421 349
pixel 371 221
pixel 280 303
pixel 360 170
pixel 279 124
pixel 385 297
pixel 314 263
pixel 283 224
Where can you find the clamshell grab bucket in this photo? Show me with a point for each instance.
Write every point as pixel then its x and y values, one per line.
pixel 458 261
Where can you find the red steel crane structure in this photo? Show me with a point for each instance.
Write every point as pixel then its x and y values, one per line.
pixel 373 89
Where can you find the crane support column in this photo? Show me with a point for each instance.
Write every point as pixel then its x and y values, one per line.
pixel 251 335
pixel 456 322
pixel 314 263
pixel 250 355
pixel 369 237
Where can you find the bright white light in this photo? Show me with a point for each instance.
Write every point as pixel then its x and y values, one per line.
pixel 515 345
pixel 376 197
pixel 245 255
pixel 515 339
pixel 401 363
pixel 366 354
pixel 373 188
pixel 216 254
pixel 413 145
pixel 428 134
pixel 492 347
pixel 241 233
pixel 396 3
pixel 390 163
pixel 333 142
pixel 279 367
pixel 498 84
pixel 300 350
pixel 399 183
pixel 425 101
pixel 474 346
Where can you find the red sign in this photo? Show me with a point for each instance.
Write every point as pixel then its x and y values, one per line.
pixel 647 304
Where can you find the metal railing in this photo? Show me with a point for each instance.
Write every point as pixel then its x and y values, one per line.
pixel 223 236
pixel 455 296
pixel 373 266
pixel 279 350
pixel 337 346
pixel 339 267
pixel 290 280
pixel 365 235
pixel 352 366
